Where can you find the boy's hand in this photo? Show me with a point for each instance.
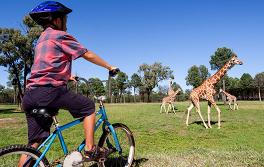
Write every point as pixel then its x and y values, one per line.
pixel 73 78
pixel 113 71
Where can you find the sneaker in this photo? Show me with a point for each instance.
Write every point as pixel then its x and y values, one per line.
pixel 96 154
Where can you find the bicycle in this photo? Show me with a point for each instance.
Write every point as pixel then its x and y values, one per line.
pixel 122 150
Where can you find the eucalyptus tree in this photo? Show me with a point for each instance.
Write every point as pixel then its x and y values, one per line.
pixel 17 50
pixel 197 75
pixel 135 82
pixel 152 74
pixel 246 84
pixel 96 87
pixel 122 84
pixel 259 83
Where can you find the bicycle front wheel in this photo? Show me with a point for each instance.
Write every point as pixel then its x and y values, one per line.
pixel 10 156
pixel 126 140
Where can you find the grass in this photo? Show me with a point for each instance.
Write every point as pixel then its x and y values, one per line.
pixel 164 139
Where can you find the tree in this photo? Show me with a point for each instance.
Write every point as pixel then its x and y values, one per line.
pixel 112 89
pixel 152 74
pixel 197 75
pixel 16 51
pixel 1 88
pixel 135 82
pixel 246 83
pixel 234 86
pixel 218 60
pixel 121 83
pixel 259 83
pixel 96 87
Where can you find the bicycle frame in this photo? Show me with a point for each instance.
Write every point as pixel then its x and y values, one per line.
pixel 58 129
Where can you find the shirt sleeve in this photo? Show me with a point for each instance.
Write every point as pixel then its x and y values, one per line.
pixel 72 47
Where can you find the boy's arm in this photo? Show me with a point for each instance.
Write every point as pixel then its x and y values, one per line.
pixel 92 57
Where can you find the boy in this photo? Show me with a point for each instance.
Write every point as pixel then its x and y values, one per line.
pixel 46 86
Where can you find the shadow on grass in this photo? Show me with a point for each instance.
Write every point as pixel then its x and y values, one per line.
pixel 139 161
pixel 201 122
pixel 10 111
pixel 112 162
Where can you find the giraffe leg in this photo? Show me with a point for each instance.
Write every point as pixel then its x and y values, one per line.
pixel 199 112
pixel 173 108
pixel 230 107
pixel 235 105
pixel 161 107
pixel 218 112
pixel 209 114
pixel 169 108
pixel 188 113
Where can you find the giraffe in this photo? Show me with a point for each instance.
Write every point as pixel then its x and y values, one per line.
pixel 169 100
pixel 230 99
pixel 206 91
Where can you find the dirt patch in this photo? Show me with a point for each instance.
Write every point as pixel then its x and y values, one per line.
pixel 7 122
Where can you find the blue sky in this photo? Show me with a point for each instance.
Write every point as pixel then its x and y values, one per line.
pixel 177 33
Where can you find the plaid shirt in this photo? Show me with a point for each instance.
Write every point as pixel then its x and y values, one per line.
pixel 54 53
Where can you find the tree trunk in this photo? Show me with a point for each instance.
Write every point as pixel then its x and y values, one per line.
pixel 148 92
pixel 18 82
pixel 259 93
pixel 124 98
pixel 110 100
pixel 15 94
pixel 223 96
pixel 25 76
pixel 134 95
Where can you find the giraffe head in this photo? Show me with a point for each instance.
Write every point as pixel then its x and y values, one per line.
pixel 234 60
pixel 179 90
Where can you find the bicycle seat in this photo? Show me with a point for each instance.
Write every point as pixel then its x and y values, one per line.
pixel 44 112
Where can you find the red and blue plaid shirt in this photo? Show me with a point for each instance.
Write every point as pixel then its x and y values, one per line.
pixel 54 53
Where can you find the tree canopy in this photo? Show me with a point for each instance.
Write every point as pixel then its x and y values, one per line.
pixel 197 75
pixel 152 74
pixel 17 50
pixel 220 58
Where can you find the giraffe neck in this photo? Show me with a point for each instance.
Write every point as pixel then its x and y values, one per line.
pixel 219 74
pixel 177 91
pixel 225 93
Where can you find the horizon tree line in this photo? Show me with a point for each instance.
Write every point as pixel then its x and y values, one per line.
pixel 17 55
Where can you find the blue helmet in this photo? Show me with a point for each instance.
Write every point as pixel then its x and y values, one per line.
pixel 47 11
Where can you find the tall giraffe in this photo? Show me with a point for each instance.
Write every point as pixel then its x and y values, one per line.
pixel 206 91
pixel 230 99
pixel 169 100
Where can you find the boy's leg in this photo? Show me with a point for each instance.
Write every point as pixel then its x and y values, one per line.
pixel 23 157
pixel 79 106
pixel 88 125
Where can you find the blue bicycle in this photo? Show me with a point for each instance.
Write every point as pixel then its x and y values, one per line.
pixel 116 137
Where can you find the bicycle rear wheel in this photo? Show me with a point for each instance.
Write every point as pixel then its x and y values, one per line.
pixel 127 144
pixel 10 156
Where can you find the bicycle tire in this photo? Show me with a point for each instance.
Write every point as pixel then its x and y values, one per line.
pixel 116 159
pixel 10 155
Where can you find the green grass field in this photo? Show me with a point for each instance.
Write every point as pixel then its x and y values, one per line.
pixel 164 139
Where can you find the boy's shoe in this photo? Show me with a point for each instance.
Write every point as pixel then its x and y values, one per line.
pixel 96 154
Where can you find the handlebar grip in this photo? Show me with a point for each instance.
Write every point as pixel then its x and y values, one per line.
pixel 113 72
